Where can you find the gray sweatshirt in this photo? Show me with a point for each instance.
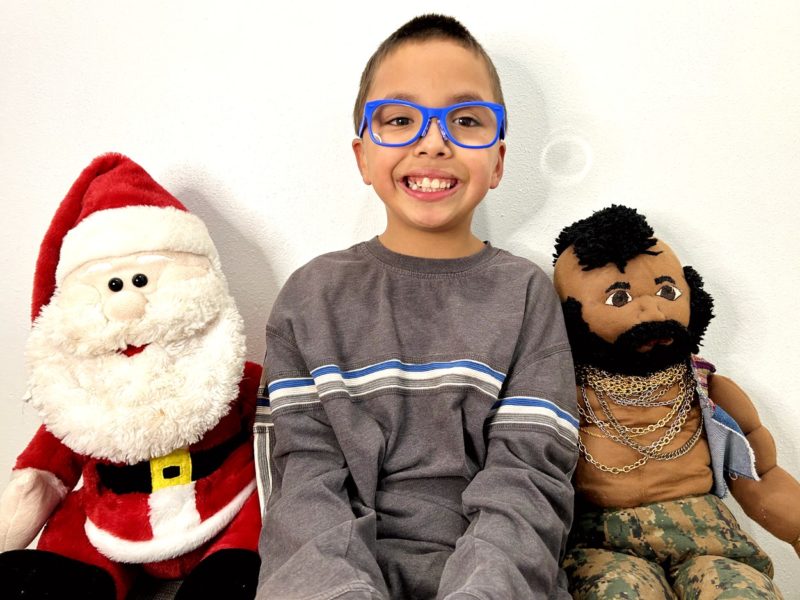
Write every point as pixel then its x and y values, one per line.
pixel 420 433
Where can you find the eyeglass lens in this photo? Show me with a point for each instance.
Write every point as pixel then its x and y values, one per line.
pixel 468 125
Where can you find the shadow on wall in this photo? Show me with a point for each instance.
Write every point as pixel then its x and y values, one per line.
pixel 526 186
pixel 552 153
pixel 250 275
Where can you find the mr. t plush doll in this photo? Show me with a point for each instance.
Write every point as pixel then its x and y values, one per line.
pixel 144 461
pixel 662 436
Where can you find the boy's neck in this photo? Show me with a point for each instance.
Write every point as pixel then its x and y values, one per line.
pixel 432 244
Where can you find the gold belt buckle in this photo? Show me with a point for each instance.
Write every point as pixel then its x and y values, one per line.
pixel 173 469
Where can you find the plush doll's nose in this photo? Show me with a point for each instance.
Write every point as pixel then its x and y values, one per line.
pixel 124 306
pixel 649 309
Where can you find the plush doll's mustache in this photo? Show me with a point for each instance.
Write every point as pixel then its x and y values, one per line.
pixel 625 354
pixel 673 344
pixel 644 333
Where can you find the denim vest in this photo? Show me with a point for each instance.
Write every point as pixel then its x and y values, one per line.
pixel 731 454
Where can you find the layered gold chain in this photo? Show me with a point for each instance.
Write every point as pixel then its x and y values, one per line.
pixel 639 391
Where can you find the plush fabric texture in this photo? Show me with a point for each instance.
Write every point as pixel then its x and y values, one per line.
pixel 612 235
pixel 115 531
pixel 144 462
pixel 613 252
pixel 97 216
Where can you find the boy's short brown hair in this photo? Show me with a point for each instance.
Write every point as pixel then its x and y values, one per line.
pixel 421 29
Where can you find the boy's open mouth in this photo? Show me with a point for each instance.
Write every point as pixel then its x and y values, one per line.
pixel 427 184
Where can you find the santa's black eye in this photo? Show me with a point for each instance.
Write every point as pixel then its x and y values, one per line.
pixel 139 280
pixel 619 298
pixel 669 292
pixel 115 284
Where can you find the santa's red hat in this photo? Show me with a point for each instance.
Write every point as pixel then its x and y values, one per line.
pixel 114 208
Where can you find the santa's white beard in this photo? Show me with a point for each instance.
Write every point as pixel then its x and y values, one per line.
pixel 104 404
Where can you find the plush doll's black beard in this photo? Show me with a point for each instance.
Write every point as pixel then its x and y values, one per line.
pixel 623 355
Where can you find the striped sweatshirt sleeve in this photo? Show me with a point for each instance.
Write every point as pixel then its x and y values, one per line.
pixel 312 545
pixel 520 504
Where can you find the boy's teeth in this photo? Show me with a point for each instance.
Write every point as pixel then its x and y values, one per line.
pixel 427 184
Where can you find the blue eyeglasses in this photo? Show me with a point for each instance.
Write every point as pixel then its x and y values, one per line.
pixel 396 123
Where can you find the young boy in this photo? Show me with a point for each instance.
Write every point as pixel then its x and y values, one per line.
pixel 420 384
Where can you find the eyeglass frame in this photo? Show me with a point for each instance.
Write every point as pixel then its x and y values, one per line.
pixel 429 114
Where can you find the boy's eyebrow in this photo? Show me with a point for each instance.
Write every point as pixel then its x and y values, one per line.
pixel 664 278
pixel 467 97
pixel 456 99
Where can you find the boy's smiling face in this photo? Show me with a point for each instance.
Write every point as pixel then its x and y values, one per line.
pixel 433 73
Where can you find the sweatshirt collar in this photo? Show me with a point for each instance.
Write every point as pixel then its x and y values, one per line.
pixel 429 265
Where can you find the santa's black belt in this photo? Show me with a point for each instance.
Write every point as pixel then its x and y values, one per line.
pixel 179 467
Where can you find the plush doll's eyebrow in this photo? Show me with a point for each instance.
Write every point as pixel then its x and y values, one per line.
pixel 619 285
pixel 664 278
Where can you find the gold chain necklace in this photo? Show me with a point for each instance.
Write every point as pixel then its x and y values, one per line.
pixel 641 391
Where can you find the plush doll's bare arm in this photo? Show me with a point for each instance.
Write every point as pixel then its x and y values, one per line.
pixel 45 471
pixel 26 504
pixel 772 501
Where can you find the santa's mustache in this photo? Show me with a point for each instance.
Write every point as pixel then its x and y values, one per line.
pixel 176 312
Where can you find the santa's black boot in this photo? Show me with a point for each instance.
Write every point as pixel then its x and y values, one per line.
pixel 231 574
pixel 41 575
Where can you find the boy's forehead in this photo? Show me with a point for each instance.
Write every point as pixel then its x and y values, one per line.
pixel 435 72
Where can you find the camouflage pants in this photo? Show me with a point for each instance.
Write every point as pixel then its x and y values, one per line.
pixel 688 548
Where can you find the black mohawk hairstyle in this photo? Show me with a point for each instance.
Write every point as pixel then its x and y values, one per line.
pixel 612 235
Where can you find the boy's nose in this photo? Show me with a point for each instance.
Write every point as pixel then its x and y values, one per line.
pixel 433 139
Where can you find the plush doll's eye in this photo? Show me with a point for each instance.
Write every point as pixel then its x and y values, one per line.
pixel 619 298
pixel 139 280
pixel 115 284
pixel 669 292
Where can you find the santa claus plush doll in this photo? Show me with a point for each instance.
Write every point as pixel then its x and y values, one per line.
pixel 144 462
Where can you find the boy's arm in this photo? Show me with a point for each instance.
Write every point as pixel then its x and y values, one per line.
pixel 311 541
pixel 520 505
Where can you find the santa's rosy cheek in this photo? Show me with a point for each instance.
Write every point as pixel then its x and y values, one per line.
pixel 78 294
pixel 178 272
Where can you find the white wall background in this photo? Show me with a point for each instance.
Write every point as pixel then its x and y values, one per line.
pixel 688 111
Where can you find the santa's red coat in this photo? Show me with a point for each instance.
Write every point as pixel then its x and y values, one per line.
pixel 167 530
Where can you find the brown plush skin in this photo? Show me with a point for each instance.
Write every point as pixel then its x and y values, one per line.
pixel 689 475
pixel 772 501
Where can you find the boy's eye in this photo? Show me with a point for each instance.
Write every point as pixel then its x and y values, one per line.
pixel 471 117
pixel 400 121
pixel 669 292
pixel 466 121
pixel 619 298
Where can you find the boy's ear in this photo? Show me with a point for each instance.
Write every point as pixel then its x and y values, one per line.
pixel 361 160
pixel 497 175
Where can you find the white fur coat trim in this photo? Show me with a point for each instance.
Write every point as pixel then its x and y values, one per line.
pixel 174 544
